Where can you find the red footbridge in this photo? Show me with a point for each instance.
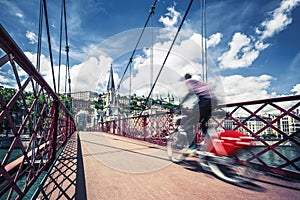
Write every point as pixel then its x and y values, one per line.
pixel 44 157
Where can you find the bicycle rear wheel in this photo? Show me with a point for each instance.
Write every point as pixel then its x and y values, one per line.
pixel 176 146
pixel 232 172
pixel 224 172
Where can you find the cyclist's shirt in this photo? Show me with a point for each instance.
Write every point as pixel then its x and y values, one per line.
pixel 199 88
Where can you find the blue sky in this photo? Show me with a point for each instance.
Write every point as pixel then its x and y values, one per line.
pixel 253 46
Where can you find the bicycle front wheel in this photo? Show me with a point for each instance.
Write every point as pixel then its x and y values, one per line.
pixel 176 146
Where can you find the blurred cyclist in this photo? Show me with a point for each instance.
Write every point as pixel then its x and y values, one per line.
pixel 201 111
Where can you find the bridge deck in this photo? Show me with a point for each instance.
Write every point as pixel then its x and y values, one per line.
pixel 114 167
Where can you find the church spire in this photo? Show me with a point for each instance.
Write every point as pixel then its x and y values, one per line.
pixel 111 83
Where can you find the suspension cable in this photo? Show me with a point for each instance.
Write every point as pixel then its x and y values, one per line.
pixel 203 40
pixel 66 78
pixel 38 69
pixel 67 53
pixel 140 37
pixel 39 49
pixel 205 35
pixel 173 42
pixel 49 44
pixel 130 78
pixel 151 54
pixel 67 47
pixel 63 20
pixel 60 44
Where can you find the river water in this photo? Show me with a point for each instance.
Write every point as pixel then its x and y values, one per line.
pixel 273 159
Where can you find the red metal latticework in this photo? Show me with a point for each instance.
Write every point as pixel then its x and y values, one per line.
pixel 151 128
pixel 34 123
pixel 273 123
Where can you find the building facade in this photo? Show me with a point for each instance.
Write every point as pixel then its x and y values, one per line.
pixel 287 124
pixel 84 111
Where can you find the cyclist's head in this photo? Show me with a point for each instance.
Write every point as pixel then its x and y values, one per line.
pixel 187 76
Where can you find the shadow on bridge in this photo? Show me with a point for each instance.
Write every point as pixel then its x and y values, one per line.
pixel 196 167
pixel 271 180
pixel 65 179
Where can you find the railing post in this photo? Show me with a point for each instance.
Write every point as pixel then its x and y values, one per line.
pixel 114 126
pixel 144 127
pixel 55 125
pixel 66 128
pixel 107 127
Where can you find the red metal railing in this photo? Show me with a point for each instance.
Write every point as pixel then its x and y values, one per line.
pixel 274 123
pixel 151 128
pixel 34 123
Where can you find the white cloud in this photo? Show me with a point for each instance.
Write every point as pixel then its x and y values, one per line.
pixel 92 74
pixel 20 15
pixel 241 53
pixel 184 57
pixel 250 88
pixel 168 82
pixel 5 81
pixel 171 18
pixel 10 81
pixel 214 39
pixel 296 89
pixel 238 88
pixel 45 66
pixel 169 21
pixel 32 37
pixel 279 19
pixel 245 50
pixel 259 45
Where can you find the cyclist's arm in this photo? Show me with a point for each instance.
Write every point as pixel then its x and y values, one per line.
pixel 185 98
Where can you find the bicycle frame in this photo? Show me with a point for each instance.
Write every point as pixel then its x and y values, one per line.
pixel 227 143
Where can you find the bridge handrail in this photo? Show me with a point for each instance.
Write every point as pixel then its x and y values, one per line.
pixel 269 100
pixel 9 46
pixel 34 138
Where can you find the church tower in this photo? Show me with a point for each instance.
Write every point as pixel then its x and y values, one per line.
pixel 111 88
pixel 111 111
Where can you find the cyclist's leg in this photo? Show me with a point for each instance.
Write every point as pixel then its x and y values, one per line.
pixel 205 114
pixel 188 124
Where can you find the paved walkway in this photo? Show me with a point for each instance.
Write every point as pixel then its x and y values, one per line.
pixel 113 167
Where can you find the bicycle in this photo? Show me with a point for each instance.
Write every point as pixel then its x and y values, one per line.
pixel 217 154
